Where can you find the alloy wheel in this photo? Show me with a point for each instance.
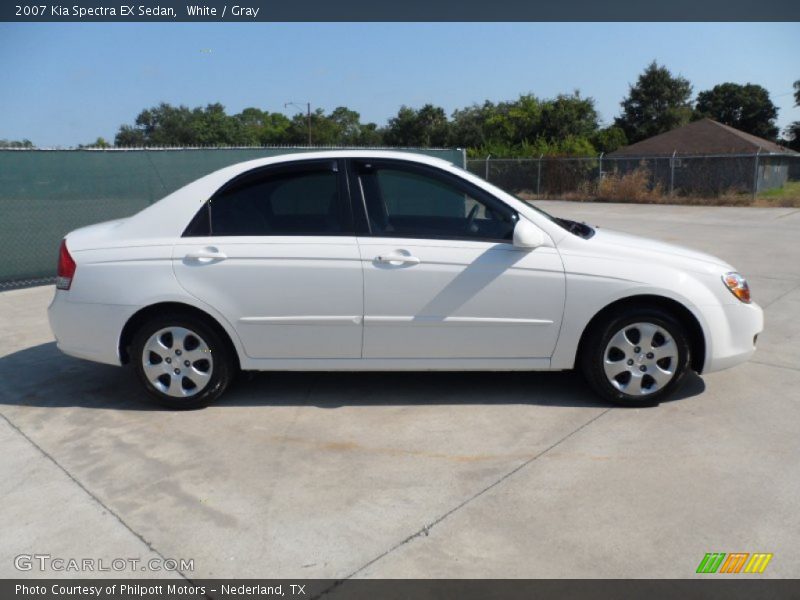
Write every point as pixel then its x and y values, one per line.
pixel 177 362
pixel 640 359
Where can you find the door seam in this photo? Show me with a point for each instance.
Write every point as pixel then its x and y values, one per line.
pixel 363 295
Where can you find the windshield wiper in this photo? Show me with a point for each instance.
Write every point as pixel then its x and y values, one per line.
pixel 580 229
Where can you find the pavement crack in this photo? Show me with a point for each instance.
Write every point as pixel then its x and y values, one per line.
pixel 425 530
pixel 781 297
pixel 766 364
pixel 99 502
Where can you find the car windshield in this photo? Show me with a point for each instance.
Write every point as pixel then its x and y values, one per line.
pixel 574 227
pixel 539 210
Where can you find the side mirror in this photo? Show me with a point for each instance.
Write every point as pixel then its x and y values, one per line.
pixel 527 235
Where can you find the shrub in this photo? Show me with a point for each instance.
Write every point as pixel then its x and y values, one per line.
pixel 633 186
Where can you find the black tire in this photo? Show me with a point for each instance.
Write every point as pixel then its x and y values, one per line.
pixel 219 363
pixel 593 357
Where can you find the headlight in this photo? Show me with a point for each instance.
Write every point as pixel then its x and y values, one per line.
pixel 738 286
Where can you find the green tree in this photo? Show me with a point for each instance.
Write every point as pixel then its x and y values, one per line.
pixel 251 121
pixel 425 127
pixel 16 143
pixel 745 107
pixel 516 122
pixel 371 135
pixel 527 126
pixel 213 127
pixel 274 130
pixel 167 125
pixel 100 142
pixel 468 126
pixel 608 139
pixel 350 131
pixel 129 137
pixel 657 103
pixel 162 125
pixel 567 116
pixel 502 125
pixel 262 128
pixel 347 124
pixel 793 130
pixel 342 127
pixel 568 146
pixel 323 131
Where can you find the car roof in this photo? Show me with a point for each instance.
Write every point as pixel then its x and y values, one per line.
pixel 323 154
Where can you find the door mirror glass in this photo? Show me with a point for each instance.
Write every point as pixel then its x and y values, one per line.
pixel 527 235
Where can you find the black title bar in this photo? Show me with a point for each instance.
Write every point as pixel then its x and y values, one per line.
pixel 407 10
pixel 703 587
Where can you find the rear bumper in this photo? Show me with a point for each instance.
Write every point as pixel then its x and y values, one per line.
pixel 732 329
pixel 87 330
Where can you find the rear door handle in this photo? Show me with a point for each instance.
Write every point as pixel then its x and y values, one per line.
pixel 397 259
pixel 206 255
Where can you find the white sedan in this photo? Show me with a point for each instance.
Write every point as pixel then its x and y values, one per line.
pixel 387 261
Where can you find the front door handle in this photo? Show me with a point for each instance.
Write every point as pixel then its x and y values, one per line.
pixel 206 255
pixel 395 258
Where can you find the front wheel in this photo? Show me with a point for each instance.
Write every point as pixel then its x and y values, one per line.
pixel 181 361
pixel 636 358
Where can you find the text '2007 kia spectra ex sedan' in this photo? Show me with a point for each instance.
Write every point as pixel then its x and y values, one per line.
pixel 387 261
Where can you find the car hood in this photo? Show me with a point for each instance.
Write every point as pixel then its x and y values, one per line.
pixel 632 247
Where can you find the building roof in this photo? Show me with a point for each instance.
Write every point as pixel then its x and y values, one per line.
pixel 705 136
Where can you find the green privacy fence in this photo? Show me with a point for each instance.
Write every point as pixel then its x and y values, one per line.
pixel 46 193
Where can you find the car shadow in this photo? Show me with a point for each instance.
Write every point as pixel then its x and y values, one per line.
pixel 42 376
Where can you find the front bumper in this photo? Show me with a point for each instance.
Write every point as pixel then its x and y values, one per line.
pixel 731 335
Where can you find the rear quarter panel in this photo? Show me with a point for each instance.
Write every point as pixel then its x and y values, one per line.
pixel 130 277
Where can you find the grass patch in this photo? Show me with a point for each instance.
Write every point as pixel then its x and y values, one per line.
pixel 788 195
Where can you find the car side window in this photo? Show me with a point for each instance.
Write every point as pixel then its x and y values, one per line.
pixel 411 202
pixel 295 201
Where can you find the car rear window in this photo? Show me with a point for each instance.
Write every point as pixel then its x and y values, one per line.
pixel 292 202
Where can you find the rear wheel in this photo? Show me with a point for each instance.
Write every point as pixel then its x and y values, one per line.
pixel 181 361
pixel 636 358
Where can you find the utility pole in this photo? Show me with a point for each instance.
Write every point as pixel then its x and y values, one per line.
pixel 308 115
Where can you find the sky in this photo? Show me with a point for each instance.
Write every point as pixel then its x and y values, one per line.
pixel 63 84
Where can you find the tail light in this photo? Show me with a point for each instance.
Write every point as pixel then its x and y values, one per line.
pixel 66 268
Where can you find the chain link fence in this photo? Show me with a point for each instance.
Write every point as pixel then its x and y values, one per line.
pixel 707 179
pixel 45 194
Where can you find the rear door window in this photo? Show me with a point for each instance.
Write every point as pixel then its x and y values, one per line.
pixel 296 200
